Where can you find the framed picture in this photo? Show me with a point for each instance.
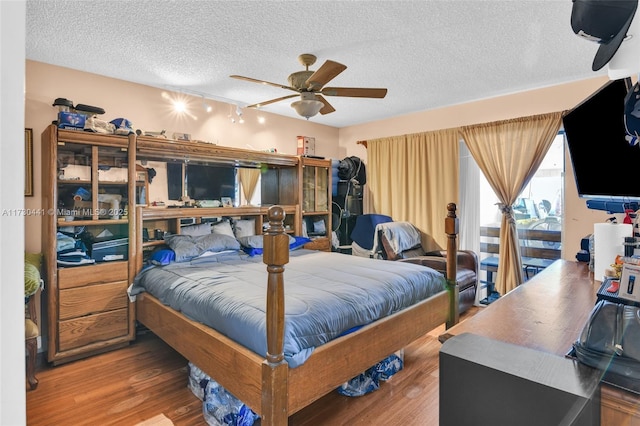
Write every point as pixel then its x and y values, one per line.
pixel 226 202
pixel 28 162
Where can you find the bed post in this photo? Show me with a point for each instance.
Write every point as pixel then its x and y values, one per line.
pixel 451 229
pixel 275 370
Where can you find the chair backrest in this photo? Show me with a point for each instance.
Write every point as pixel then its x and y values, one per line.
pixel 399 240
pixel 363 232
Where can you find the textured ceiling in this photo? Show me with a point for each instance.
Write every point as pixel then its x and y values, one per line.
pixel 429 54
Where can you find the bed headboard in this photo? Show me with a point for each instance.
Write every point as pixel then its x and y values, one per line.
pixel 173 219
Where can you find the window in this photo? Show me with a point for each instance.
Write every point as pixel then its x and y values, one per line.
pixel 539 206
pixel 541 198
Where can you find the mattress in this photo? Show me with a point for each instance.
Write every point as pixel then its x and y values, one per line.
pixel 326 295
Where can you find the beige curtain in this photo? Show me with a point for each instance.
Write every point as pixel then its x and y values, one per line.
pixel 413 178
pixel 248 179
pixel 509 153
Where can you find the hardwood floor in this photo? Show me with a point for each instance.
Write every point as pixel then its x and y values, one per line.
pixel 147 378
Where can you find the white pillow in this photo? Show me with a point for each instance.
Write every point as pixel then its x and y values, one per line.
pixel 196 230
pixel 244 228
pixel 223 227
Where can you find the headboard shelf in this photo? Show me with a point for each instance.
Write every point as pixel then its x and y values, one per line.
pixel 152 213
pixel 172 149
pixel 169 220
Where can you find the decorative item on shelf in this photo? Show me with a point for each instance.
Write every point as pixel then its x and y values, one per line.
pixel 226 202
pixel 306 145
pixel 88 110
pixel 181 136
pixel 208 203
pixel 160 134
pixel 96 125
pixel 70 117
pixel 63 104
pixel 122 126
pixel 81 194
pixel 113 201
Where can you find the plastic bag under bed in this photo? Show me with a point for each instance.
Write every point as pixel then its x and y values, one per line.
pixel 369 380
pixel 221 408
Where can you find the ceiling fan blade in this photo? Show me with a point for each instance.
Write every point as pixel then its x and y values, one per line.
pixel 266 83
pixel 327 108
pixel 261 104
pixel 324 74
pixel 355 92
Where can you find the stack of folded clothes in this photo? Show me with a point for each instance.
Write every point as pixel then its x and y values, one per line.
pixel 71 252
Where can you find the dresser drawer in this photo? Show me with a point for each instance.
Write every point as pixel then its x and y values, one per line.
pixel 79 276
pixel 90 329
pixel 80 301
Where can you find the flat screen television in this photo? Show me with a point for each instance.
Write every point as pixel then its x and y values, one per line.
pixel 203 182
pixel 605 165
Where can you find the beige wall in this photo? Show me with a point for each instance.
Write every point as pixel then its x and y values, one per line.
pixel 148 109
pixel 578 220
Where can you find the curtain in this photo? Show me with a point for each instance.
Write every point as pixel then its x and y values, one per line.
pixel 413 177
pixel 509 153
pixel 248 179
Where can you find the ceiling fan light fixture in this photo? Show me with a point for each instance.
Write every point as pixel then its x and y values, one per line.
pixel 307 107
pixel 310 85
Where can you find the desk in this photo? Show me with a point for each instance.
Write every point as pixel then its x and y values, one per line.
pixel 547 313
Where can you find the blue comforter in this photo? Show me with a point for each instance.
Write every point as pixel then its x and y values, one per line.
pixel 326 295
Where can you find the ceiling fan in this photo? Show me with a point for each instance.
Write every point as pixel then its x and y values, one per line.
pixel 310 86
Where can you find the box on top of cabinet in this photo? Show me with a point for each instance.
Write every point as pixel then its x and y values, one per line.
pixel 71 120
pixel 306 145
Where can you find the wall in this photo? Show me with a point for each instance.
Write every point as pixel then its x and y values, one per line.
pixel 12 228
pixel 578 220
pixel 150 109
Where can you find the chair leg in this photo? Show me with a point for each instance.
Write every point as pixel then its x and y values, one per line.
pixel 32 352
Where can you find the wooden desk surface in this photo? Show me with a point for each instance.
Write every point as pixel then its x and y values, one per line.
pixel 546 313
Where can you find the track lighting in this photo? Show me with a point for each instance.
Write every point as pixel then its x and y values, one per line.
pixel 206 106
pixel 238 113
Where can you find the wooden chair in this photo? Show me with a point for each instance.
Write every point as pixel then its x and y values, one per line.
pixel 32 332
pixel 33 286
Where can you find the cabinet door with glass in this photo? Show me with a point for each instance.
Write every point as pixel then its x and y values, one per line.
pixel 93 181
pixel 316 202
pixel 88 186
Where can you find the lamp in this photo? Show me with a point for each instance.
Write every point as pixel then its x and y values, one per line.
pixel 307 106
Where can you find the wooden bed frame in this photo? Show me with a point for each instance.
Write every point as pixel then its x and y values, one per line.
pixel 268 386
